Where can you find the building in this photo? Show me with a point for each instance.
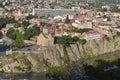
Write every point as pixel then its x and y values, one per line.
pixel 102 28
pixel 1 11
pixel 60 31
pixel 53 12
pixel 82 25
pixel 45 40
pixel 92 35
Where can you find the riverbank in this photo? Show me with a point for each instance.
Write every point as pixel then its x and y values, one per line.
pixel 105 56
pixel 42 76
pixel 94 68
pixel 21 63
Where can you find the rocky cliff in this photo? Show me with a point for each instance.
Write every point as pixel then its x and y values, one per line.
pixel 56 55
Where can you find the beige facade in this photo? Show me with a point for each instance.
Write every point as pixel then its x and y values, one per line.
pixel 45 40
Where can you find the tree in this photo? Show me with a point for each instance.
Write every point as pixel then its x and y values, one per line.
pixel 30 32
pixel 79 30
pixel 19 42
pixel 36 30
pixel 67 20
pixel 65 40
pixel 108 19
pixel 11 33
pixel 25 23
pixel 6 20
pixel 42 23
pixel 31 16
pixel 75 39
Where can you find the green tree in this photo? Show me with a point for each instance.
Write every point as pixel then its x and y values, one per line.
pixel 19 42
pixel 108 19
pixel 75 39
pixel 25 23
pixel 66 40
pixel 11 33
pixel 6 20
pixel 31 16
pixel 30 32
pixel 67 20
pixel 36 30
pixel 79 30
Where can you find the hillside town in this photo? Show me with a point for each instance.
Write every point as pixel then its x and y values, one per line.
pixel 78 22
pixel 29 26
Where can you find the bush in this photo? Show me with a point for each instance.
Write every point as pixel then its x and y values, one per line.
pixel 30 32
pixel 79 30
pixel 82 41
pixel 15 54
pixel 57 72
pixel 118 33
pixel 66 40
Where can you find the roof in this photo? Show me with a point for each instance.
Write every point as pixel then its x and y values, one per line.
pixel 91 32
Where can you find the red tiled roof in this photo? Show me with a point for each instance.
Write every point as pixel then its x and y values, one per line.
pixel 91 32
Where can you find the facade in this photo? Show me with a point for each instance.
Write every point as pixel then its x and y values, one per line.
pixel 92 35
pixel 45 40
pixel 1 11
pixel 102 28
pixel 53 12
pixel 82 25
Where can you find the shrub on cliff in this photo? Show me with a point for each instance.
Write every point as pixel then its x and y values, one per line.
pixel 57 73
pixel 82 41
pixel 66 40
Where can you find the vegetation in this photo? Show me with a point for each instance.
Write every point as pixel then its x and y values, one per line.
pixel 30 32
pixel 11 33
pixel 14 54
pixel 65 57
pixel 82 41
pixel 107 38
pixel 19 41
pixel 7 20
pixel 25 23
pixel 31 16
pixel 67 20
pixel 66 40
pixel 19 68
pixel 42 23
pixel 79 30
pixel 100 69
pixel 16 36
pixel 118 33
pixel 27 62
pixel 57 73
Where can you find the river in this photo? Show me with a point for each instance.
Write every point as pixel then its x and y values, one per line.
pixel 23 76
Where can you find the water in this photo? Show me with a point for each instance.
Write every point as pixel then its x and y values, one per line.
pixel 22 76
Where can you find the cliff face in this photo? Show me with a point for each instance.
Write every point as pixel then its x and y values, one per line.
pixel 55 55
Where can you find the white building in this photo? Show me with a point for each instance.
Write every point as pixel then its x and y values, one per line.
pixel 92 35
pixel 82 25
